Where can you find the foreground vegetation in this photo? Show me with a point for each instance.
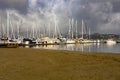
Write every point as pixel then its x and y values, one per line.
pixel 33 64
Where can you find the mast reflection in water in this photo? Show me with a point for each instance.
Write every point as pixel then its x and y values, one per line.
pixel 104 48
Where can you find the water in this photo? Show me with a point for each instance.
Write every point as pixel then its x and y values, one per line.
pixel 104 48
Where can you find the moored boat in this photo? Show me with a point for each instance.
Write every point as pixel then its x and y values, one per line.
pixel 6 43
pixel 111 41
pixel 70 41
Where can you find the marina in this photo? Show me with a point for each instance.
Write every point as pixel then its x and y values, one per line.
pixel 77 33
pixel 63 43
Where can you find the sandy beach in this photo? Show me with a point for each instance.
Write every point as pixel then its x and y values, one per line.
pixel 41 64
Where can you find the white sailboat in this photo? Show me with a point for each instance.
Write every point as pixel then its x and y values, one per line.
pixel 82 40
pixel 111 42
pixel 47 39
pixel 70 39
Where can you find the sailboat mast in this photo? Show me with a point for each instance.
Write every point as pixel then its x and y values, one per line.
pixel 49 29
pixel 82 28
pixel 72 27
pixel 11 31
pixel 3 30
pixel 39 31
pixel 36 30
pixel 89 33
pixel 27 31
pixel 18 30
pixel 69 28
pixel 33 31
pixel 44 30
pixel 8 23
pixel 76 29
pixel 55 33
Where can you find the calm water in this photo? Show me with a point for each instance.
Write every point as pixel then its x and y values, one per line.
pixel 105 48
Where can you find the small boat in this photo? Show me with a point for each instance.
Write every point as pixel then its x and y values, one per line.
pixel 62 40
pixel 111 41
pixel 118 41
pixel 47 41
pixel 9 45
pixel 6 43
pixel 85 41
pixel 27 41
pixel 70 41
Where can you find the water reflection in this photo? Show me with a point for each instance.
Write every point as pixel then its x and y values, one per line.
pixel 115 48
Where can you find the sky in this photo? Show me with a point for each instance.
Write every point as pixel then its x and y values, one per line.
pixel 101 16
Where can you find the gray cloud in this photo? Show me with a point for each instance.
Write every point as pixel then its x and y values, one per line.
pixel 100 15
pixel 20 5
pixel 102 0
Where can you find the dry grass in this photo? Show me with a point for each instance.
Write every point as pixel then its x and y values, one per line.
pixel 33 64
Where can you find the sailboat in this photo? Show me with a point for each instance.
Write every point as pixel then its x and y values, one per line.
pixel 111 41
pixel 47 39
pixel 82 40
pixel 118 41
pixel 7 43
pixel 70 39
pixel 5 40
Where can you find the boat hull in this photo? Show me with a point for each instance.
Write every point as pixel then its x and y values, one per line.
pixel 9 45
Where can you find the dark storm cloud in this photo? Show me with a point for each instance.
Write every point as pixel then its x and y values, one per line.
pixel 20 5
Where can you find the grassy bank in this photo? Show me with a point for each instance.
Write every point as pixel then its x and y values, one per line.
pixel 33 64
